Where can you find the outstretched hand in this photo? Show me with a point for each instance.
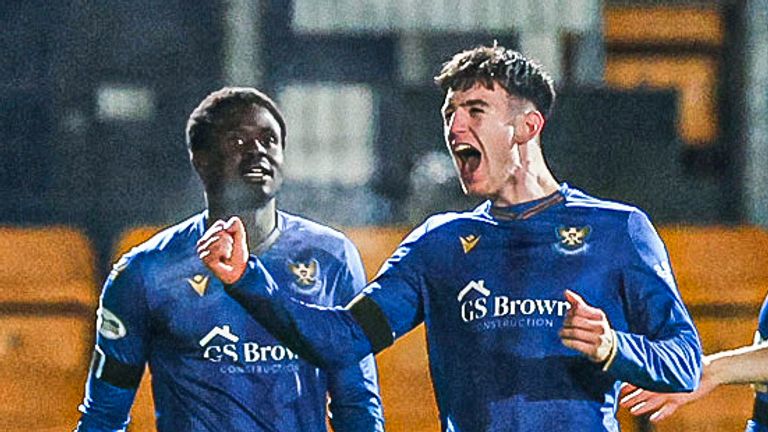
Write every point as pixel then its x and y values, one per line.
pixel 224 250
pixel 586 329
pixel 659 405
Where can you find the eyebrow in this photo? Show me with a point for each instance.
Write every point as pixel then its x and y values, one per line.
pixel 470 103
pixel 474 102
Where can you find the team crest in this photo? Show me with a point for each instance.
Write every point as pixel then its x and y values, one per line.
pixel 306 273
pixel 199 283
pixel 572 238
pixel 469 242
pixel 109 325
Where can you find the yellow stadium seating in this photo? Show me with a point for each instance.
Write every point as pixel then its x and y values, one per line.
pixel 46 265
pixel 48 298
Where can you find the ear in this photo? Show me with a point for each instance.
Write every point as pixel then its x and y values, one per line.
pixel 199 161
pixel 529 126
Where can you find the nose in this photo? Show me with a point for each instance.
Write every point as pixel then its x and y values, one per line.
pixel 254 145
pixel 458 124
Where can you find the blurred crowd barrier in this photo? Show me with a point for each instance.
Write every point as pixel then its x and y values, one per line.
pixel 49 296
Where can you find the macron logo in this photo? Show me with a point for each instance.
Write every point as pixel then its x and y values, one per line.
pixel 222 331
pixel 478 286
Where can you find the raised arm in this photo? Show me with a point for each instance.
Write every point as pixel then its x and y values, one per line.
pixel 331 338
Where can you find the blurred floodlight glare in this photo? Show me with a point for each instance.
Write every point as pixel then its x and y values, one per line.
pixel 124 103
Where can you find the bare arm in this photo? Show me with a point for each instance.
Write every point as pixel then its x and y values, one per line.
pixel 743 365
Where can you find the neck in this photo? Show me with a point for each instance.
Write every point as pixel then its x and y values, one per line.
pixel 530 178
pixel 259 221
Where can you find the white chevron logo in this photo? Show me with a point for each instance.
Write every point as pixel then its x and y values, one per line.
pixel 222 331
pixel 478 286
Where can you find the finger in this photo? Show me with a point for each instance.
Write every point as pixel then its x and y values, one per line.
pixel 630 397
pixel 211 231
pixel 201 246
pixel 579 307
pixel 580 336
pixel 580 346
pixel 662 413
pixel 583 323
pixel 645 407
pixel 237 230
pixel 627 389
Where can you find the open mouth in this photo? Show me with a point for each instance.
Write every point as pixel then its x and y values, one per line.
pixel 468 158
pixel 258 173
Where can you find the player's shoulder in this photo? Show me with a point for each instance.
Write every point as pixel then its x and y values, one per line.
pixel 310 232
pixel 170 241
pixel 447 223
pixel 618 212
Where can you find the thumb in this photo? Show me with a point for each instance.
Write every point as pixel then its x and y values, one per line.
pixel 574 299
pixel 579 305
pixel 234 227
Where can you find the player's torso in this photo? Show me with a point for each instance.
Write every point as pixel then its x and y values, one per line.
pixel 216 368
pixel 495 306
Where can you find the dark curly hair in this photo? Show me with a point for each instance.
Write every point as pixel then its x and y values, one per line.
pixel 221 104
pixel 519 75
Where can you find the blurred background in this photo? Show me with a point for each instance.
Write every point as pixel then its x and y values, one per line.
pixel 662 103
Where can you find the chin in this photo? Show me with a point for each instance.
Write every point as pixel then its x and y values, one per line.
pixel 474 189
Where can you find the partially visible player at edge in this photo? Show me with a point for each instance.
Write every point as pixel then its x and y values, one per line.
pixel 745 365
pixel 213 367
pixel 538 303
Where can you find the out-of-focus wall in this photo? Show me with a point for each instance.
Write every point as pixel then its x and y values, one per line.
pixel 98 94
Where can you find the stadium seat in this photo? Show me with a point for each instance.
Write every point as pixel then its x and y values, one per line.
pixel 48 297
pixel 47 265
pixel 722 273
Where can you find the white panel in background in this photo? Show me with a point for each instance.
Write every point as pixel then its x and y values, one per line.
pixel 124 102
pixel 408 15
pixel 302 21
pixel 544 48
pixel 334 126
pixel 378 15
pixel 579 16
pixel 441 14
pixel 464 15
pixel 242 57
pixel 540 16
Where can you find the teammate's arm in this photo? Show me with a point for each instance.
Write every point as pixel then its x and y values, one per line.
pixel 331 338
pixel 740 366
pixel 661 350
pixel 119 355
pixel 747 364
pixel 355 402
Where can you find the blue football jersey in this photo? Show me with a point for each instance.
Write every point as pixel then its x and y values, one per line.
pixel 759 421
pixel 213 367
pixel 489 286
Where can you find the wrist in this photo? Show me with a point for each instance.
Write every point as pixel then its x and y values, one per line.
pixel 608 361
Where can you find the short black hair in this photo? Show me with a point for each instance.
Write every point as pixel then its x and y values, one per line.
pixel 221 104
pixel 519 75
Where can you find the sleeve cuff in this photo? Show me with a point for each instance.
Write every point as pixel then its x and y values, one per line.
pixel 255 280
pixel 614 350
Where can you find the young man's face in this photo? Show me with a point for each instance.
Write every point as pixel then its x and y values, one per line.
pixel 244 165
pixel 479 129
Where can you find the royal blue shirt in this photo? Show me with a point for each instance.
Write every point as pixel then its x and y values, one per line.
pixel 489 286
pixel 214 368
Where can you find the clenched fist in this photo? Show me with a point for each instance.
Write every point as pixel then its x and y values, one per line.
pixel 224 249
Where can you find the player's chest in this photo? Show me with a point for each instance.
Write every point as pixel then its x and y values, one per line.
pixel 187 302
pixel 520 272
